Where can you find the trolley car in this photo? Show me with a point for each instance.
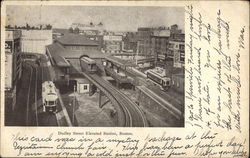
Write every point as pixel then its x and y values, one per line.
pixel 88 65
pixel 159 77
pixel 49 97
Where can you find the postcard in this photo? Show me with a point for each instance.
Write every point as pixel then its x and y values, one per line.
pixel 124 79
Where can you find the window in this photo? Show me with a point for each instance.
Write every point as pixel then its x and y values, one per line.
pixel 85 87
pixel 177 84
pixel 176 46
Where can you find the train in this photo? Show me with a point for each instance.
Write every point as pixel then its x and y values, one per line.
pixel 88 65
pixel 158 76
pixel 49 97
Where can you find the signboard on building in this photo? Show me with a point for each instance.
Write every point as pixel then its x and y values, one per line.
pixel 8 46
pixel 177 59
pixel 161 56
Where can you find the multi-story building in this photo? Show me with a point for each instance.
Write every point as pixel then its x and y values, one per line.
pixel 176 50
pixel 175 29
pixel 159 45
pixel 130 42
pixel 34 41
pixel 13 66
pixel 112 43
pixel 144 41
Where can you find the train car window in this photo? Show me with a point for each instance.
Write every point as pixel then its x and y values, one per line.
pixel 51 102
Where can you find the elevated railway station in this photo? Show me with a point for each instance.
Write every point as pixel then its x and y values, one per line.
pixel 68 67
pixel 130 115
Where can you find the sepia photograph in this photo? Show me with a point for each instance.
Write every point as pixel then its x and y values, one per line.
pixel 94 66
pixel 124 79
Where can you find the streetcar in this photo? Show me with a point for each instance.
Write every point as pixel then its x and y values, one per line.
pixel 158 76
pixel 49 97
pixel 88 65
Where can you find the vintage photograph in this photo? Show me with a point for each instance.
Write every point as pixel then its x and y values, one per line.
pixel 94 66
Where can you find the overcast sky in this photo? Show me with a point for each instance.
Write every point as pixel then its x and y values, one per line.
pixel 113 18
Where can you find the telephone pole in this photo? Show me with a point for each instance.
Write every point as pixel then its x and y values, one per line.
pixel 74 103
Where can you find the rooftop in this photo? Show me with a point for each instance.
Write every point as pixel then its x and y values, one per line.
pixel 82 80
pixel 161 33
pixel 60 30
pixel 55 50
pixel 75 39
pixel 60 54
pixel 120 62
pixel 144 29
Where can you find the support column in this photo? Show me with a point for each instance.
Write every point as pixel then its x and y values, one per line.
pixel 100 99
pixel 117 84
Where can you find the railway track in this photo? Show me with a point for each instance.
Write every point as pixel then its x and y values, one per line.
pixel 32 118
pixel 28 96
pixel 129 114
pixel 128 121
pixel 133 116
pixel 136 116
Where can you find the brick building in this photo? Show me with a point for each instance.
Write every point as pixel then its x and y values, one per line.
pixel 144 41
pixel 130 42
pixel 176 50
pixel 159 45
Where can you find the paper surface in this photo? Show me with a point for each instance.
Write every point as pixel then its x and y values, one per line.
pixel 216 96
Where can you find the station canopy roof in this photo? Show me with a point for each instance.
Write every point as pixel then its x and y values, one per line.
pixel 120 62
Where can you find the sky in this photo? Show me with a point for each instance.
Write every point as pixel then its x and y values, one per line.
pixel 113 17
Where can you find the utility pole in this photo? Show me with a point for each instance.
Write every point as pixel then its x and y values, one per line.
pixel 74 105
pixel 137 51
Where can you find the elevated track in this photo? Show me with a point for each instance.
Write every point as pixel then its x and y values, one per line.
pixel 129 113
